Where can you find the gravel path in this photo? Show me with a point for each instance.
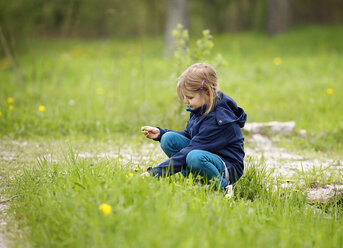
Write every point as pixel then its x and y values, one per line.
pixel 3 224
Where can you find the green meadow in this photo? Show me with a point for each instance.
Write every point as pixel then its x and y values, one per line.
pixel 82 93
pixel 100 88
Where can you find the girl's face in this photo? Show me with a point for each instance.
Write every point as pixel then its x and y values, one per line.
pixel 195 100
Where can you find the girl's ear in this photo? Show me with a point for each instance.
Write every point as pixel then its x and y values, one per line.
pixel 207 96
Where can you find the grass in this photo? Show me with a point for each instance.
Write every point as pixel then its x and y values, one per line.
pixel 97 94
pixel 100 88
pixel 59 202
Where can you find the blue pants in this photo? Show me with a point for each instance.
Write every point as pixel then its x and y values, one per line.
pixel 199 162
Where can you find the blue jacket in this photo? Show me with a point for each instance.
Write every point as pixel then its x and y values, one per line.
pixel 218 132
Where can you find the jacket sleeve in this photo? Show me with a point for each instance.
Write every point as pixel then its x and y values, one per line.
pixel 211 137
pixel 163 131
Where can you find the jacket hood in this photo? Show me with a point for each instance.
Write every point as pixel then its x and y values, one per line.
pixel 227 111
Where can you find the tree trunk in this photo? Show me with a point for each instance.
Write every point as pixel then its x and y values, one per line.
pixel 279 16
pixel 177 14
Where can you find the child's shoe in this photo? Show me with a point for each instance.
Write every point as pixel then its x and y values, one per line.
pixel 228 191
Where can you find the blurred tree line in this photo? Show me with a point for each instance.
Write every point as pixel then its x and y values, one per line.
pixel 94 18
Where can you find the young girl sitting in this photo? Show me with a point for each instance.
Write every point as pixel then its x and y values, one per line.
pixel 212 145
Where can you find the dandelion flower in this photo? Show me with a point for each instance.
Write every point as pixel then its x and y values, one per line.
pixel 129 175
pixel 288 180
pixel 41 108
pixel 11 107
pixel 105 208
pixel 10 100
pixel 277 61
pixel 329 91
pixel 136 169
pixel 100 91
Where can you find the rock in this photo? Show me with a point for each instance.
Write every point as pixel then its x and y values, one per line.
pixel 270 128
pixel 302 133
pixel 326 194
pixel 261 140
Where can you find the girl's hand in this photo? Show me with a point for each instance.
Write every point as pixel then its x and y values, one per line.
pixel 150 132
pixel 145 174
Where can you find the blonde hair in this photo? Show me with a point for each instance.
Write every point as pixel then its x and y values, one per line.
pixel 192 79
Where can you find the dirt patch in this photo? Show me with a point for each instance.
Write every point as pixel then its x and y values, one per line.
pixel 289 165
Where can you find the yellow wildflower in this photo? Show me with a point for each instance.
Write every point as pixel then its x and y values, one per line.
pixel 295 190
pixel 41 108
pixel 11 107
pixel 288 180
pixel 10 100
pixel 105 208
pixel 277 61
pixel 129 175
pixel 99 91
pixel 329 91
pixel 119 159
pixel 319 151
pixel 136 169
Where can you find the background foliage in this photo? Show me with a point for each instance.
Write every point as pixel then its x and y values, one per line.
pixel 93 18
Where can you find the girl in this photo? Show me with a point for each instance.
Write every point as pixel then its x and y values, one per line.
pixel 212 145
